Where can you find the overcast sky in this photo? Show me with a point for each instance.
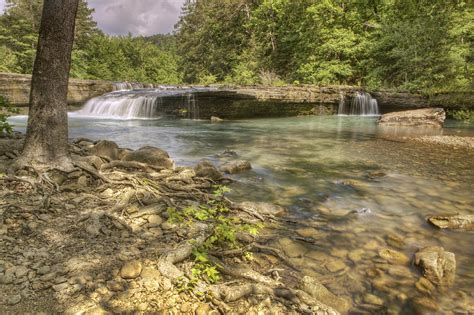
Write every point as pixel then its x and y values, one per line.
pixel 139 17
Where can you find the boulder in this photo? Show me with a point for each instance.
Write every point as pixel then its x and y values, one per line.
pixel 216 119
pixel 456 222
pixel 425 117
pixel 205 168
pixel 322 294
pixel 265 208
pixel 234 167
pixel 107 149
pixel 437 265
pixel 150 155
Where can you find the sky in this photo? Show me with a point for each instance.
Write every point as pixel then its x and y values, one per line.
pixel 139 17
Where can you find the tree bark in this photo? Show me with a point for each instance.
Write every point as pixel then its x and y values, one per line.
pixel 46 143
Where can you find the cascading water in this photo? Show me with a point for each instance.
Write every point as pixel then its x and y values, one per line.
pixel 122 86
pixel 140 103
pixel 362 104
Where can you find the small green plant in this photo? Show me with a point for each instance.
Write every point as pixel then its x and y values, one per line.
pixel 6 109
pixel 223 236
pixel 464 114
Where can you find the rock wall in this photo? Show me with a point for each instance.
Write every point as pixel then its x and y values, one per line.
pixel 17 88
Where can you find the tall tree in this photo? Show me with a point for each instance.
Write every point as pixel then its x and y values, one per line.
pixel 46 143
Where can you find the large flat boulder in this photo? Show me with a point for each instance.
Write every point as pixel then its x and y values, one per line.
pixel 425 117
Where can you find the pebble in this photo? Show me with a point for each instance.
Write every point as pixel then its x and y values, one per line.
pixel 115 286
pixel 335 265
pixel 202 309
pixel 424 285
pixel 356 255
pixel 60 287
pixel 393 256
pixel 43 270
pixel 154 220
pixel 14 299
pixel 21 271
pixel 291 248
pixel 373 299
pixel 131 269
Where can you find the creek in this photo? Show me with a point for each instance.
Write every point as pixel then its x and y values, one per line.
pixel 350 190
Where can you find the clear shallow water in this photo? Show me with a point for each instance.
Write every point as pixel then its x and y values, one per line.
pixel 320 169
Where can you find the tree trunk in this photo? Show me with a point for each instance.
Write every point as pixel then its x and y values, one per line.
pixel 46 144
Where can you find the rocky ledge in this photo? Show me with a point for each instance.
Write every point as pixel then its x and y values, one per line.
pixel 425 117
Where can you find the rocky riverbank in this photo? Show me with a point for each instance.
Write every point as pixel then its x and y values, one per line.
pixel 127 231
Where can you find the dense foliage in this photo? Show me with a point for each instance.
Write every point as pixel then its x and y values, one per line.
pixel 407 44
pixel 95 55
pixel 410 44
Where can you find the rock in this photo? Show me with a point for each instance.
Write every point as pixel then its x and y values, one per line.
pixel 107 149
pixel 425 117
pixel 335 265
pixel 21 271
pixel 131 269
pixel 457 222
pixel 215 119
pixel 437 265
pixel 356 255
pixel 154 220
pixel 393 256
pixel 83 181
pixel 373 299
pixel 425 305
pixel 206 169
pixel 395 240
pixel 14 299
pixel 123 152
pixel 94 161
pixel 115 286
pixel 235 167
pixel 202 309
pixel 150 155
pixel 264 208
pixel 424 285
pixel 291 248
pixel 322 294
pixel 308 232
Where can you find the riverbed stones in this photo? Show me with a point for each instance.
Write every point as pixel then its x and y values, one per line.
pixel 335 265
pixel 437 265
pixel 424 285
pixel 131 269
pixel 264 208
pixel 107 149
pixel 425 117
pixel 393 256
pixel 14 299
pixel 322 294
pixel 373 299
pixel 206 169
pixel 235 167
pixel 455 222
pixel 292 248
pixel 150 155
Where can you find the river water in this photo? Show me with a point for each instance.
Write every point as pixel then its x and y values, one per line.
pixel 350 190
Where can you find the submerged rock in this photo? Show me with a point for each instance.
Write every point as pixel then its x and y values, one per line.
pixel 150 155
pixel 456 222
pixel 107 149
pixel 265 208
pixel 205 168
pixel 235 166
pixel 322 294
pixel 425 117
pixel 437 265
pixel 393 256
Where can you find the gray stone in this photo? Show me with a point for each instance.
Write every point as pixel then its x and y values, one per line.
pixel 206 169
pixel 21 271
pixel 437 265
pixel 265 208
pixel 150 155
pixel 291 248
pixel 107 149
pixel 235 167
pixel 14 299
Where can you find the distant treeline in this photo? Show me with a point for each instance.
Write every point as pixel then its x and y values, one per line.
pixel 406 44
pixel 95 55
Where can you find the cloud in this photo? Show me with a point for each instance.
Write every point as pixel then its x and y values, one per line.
pixel 139 17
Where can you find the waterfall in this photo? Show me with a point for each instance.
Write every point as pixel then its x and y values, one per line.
pixel 362 104
pixel 193 107
pixel 122 107
pixel 121 86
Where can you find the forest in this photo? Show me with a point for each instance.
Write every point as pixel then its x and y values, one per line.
pixel 401 44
